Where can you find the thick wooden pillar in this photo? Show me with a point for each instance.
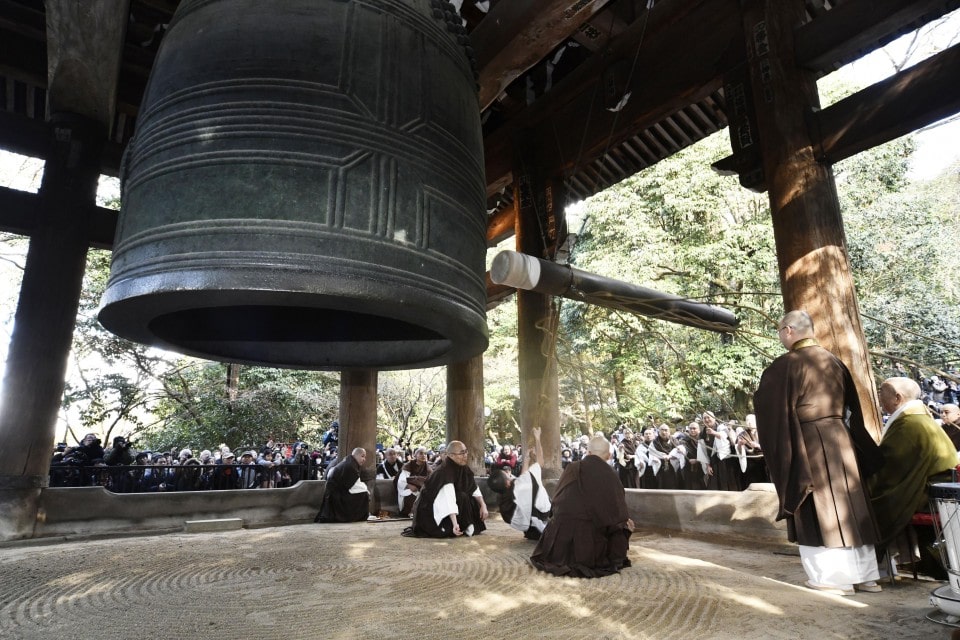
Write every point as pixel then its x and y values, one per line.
pixel 538 319
pixel 815 272
pixel 84 42
pixel 46 314
pixel 465 419
pixel 358 417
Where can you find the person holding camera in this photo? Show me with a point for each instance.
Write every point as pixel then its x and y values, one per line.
pixel 122 452
pixel 90 448
pixel 301 457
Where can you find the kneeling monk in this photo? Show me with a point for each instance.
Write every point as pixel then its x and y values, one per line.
pixel 589 535
pixel 450 503
pixel 346 498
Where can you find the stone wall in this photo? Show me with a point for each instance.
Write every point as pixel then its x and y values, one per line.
pixel 92 511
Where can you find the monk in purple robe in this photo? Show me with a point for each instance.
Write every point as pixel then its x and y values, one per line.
pixel 589 535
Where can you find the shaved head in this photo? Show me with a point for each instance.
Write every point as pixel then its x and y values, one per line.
pixel 599 446
pixel 906 387
pixel 799 320
pixel 896 392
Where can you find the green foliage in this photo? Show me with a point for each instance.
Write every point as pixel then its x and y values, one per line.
pixel 680 229
pixel 902 240
pixel 412 406
pixel 501 384
pixel 199 409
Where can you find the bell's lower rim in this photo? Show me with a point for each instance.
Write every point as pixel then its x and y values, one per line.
pixel 297 330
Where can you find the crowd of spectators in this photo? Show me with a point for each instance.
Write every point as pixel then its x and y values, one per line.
pixel 123 469
pixel 706 454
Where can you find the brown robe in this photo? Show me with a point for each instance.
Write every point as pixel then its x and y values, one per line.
pixel 418 476
pixel 587 537
pixel 800 405
pixel 953 432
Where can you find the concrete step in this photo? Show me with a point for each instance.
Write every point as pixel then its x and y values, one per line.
pixel 204 526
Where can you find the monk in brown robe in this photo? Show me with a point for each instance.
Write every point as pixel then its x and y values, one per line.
pixel 589 535
pixel 800 405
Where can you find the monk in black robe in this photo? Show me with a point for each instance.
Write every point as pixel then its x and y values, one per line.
pixel 648 477
pixel 524 503
pixel 450 503
pixel 627 461
pixel 950 423
pixel 800 405
pixel 663 445
pixel 346 498
pixel 589 535
pixel 410 482
pixel 692 476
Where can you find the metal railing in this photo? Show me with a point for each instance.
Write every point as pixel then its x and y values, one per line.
pixel 188 477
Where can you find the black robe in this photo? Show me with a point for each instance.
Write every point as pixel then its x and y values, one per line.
pixel 668 477
pixel 953 432
pixel 627 467
pixel 587 537
pixel 648 479
pixel 508 507
pixel 692 476
pixel 339 505
pixel 390 470
pixel 468 509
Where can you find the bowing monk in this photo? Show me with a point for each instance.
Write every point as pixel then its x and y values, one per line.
pixel 524 503
pixel 345 497
pixel 589 535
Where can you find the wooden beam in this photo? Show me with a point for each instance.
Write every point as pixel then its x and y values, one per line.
pixel 905 102
pixel 18 211
pixel 84 47
pixel 22 57
pixel 517 34
pixel 814 264
pixel 837 35
pixel 911 99
pixel 18 215
pixel 23 135
pixel 497 293
pixel 672 72
pixel 501 225
pixel 855 25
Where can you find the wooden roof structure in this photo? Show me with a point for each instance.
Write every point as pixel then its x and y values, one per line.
pixel 550 73
pixel 575 95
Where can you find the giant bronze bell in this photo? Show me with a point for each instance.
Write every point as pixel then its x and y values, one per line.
pixel 305 188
